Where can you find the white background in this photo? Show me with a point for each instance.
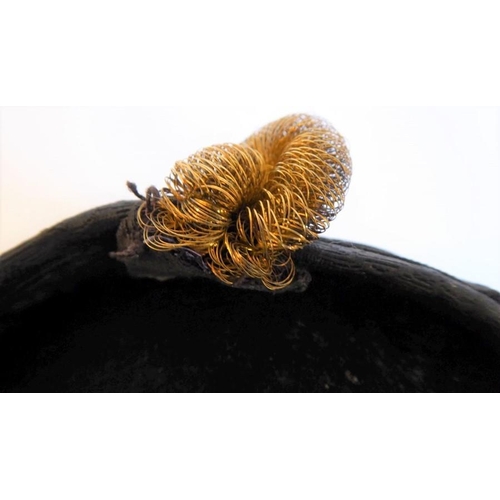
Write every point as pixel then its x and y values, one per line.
pixel 425 179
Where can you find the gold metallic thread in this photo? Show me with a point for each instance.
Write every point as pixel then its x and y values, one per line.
pixel 247 207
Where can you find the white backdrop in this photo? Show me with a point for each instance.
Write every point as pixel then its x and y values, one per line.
pixel 425 180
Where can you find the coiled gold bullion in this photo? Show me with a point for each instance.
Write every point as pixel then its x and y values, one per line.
pixel 245 208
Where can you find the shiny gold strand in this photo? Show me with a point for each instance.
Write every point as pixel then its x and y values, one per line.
pixel 246 207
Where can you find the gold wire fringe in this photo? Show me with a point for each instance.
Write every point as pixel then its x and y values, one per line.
pixel 246 207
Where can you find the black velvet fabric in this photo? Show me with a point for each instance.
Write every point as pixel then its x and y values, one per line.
pixel 342 334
